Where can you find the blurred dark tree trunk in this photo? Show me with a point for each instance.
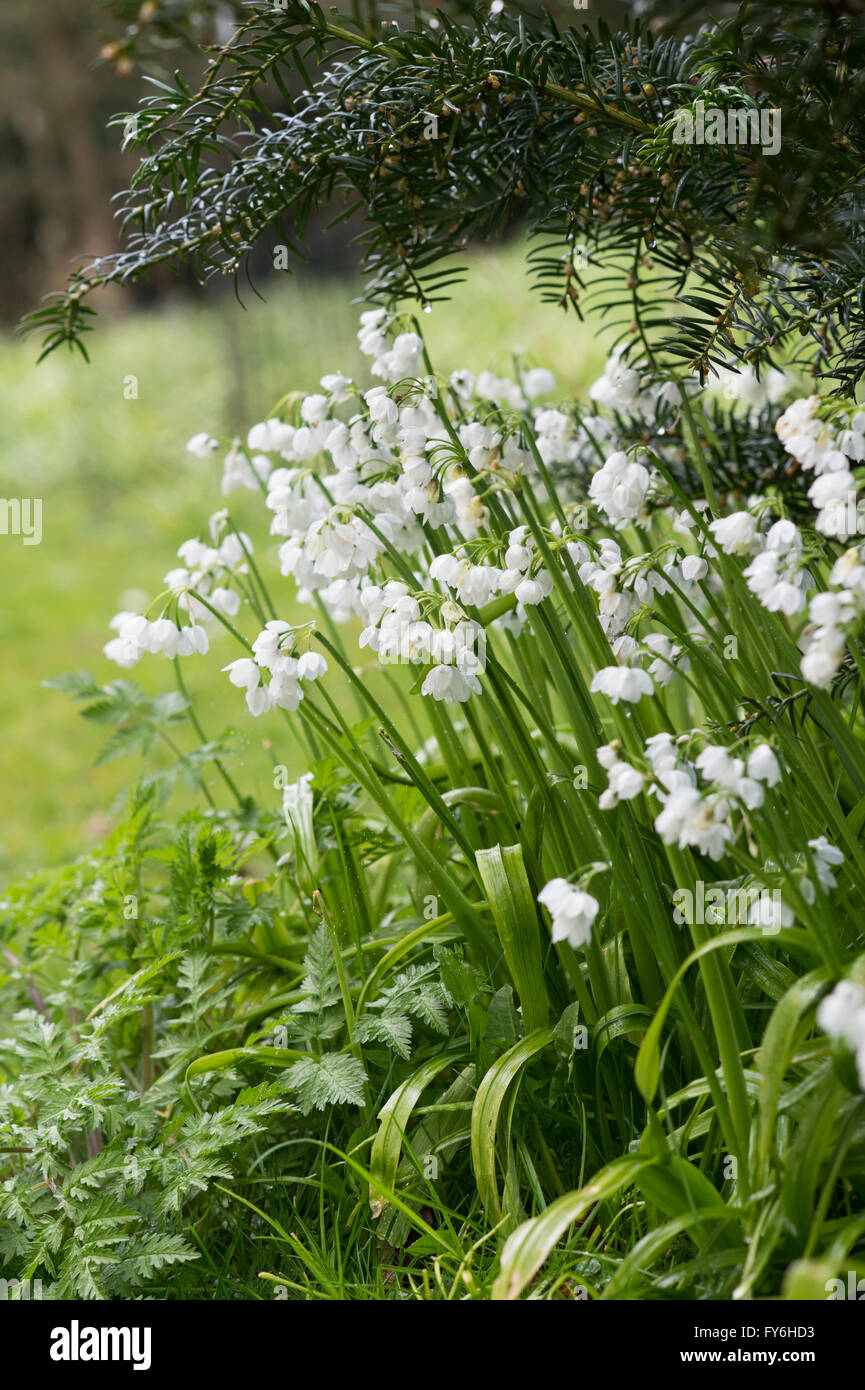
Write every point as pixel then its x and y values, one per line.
pixel 60 166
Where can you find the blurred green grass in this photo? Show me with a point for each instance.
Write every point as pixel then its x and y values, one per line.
pixel 120 494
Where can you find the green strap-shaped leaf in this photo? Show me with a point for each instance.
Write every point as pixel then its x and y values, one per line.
pixel 647 1069
pixel 526 1249
pixel 393 1118
pixel 509 895
pixel 485 1114
pixel 679 1189
pixel 774 1056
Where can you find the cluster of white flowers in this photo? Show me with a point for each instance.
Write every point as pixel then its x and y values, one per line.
pixel 622 389
pixel 476 584
pixel 396 465
pixel 391 361
pixel 360 479
pixel 137 635
pixel 561 439
pixel 272 676
pixel 622 586
pixel 397 632
pixel 826 446
pixel 842 1015
pixel 830 446
pixel 775 574
pixel 619 489
pixel 698 815
pixel 422 481
pixel 830 612
pixel 206 573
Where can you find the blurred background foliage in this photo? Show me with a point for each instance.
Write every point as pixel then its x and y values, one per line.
pixel 119 493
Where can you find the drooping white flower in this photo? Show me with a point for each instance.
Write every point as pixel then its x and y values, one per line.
pixel 246 675
pixel 336 385
pixel 193 638
pixel 842 1015
pixel 763 765
pixel 628 683
pixel 452 684
pixel 694 568
pixel 766 577
pixel 310 666
pixel 571 910
pixel 716 765
pixel 619 387
pixel 462 383
pixel 267 647
pixel 624 782
pixel 736 534
pixel 661 752
pixel 689 818
pixel 538 381
pixel 667 658
pixel 533 591
pixel 826 858
pixel 823 658
pixel 201 446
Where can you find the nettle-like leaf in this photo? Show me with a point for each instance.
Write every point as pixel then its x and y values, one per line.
pixel 321 982
pixel 130 997
pixel 392 1029
pixel 333 1079
pixel 204 1145
pixel 137 718
pixel 417 991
